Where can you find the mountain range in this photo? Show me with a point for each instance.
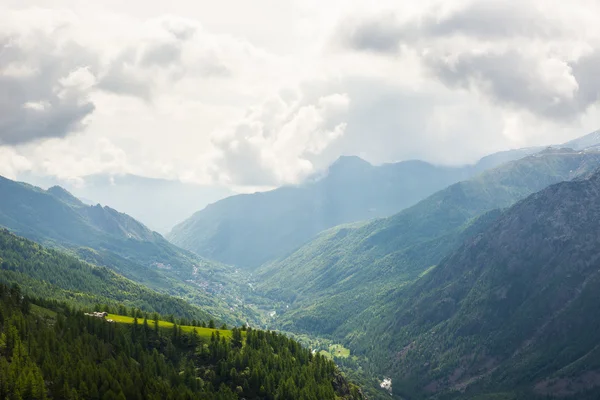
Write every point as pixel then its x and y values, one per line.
pixel 103 236
pixel 475 282
pixel 513 311
pixel 341 278
pixel 250 229
pixel 159 203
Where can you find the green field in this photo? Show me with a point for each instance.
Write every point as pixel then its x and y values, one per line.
pixel 335 350
pixel 202 332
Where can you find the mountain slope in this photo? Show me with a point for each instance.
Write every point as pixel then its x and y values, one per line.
pixel 513 311
pixel 341 280
pixel 590 140
pixel 52 352
pixel 103 236
pixel 249 230
pixel 48 273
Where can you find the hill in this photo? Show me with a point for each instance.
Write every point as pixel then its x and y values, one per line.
pixel 51 351
pixel 106 237
pixel 249 230
pixel 340 282
pixel 511 314
pixel 51 274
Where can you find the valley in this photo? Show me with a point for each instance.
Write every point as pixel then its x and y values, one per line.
pixel 299 200
pixel 429 302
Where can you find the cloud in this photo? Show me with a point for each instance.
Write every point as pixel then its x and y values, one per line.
pixel 45 82
pixel 520 55
pixel 200 95
pixel 12 163
pixel 544 85
pixel 166 51
pixel 273 144
pixel 387 31
pixel 586 72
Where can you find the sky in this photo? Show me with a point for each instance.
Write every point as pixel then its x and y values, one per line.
pixel 257 94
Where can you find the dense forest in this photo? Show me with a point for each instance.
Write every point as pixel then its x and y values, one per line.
pixel 48 273
pixel 49 350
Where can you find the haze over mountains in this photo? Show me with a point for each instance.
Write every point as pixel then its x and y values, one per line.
pixel 287 200
pixel 351 269
pixel 249 230
pixel 159 203
pixel 104 236
pixel 481 288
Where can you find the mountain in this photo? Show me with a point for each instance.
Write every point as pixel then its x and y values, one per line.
pixel 591 140
pixel 341 281
pixel 106 237
pixel 512 313
pixel 249 230
pixel 159 203
pixel 48 273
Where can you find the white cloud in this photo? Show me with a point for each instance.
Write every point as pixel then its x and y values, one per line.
pixel 273 143
pixel 521 55
pixel 196 91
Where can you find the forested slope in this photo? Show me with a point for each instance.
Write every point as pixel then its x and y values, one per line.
pixel 342 279
pixel 50 351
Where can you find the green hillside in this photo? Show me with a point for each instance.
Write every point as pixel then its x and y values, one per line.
pixel 49 273
pixel 105 237
pixel 512 314
pixel 52 352
pixel 166 325
pixel 338 283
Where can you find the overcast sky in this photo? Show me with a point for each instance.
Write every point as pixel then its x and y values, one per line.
pixel 265 92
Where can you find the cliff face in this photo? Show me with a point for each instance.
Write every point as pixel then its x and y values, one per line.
pixel 346 390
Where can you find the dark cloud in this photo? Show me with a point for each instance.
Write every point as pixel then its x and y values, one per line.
pixel 491 20
pixel 381 34
pixel 484 20
pixel 161 54
pixel 516 79
pixel 513 64
pixel 36 98
pixel 586 71
pixel 134 71
pixel 123 77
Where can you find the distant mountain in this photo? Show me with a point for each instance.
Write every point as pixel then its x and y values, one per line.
pixel 249 230
pixel 584 142
pixel 343 279
pixel 159 203
pixel 511 314
pixel 106 237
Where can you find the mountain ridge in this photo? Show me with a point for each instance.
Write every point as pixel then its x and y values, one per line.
pixel 340 279
pixel 250 229
pixel 103 236
pixel 521 294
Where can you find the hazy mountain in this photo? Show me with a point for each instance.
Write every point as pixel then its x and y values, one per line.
pixel 104 236
pixel 513 312
pixel 584 142
pixel 341 280
pixel 248 230
pixel 158 203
